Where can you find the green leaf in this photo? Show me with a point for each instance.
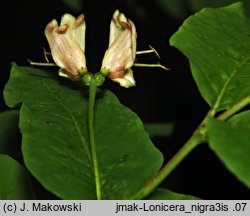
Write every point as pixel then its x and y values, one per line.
pixel 241 119
pixel 14 181
pixel 159 129
pixel 53 122
pixel 9 133
pixel 165 194
pixel 217 44
pixel 231 143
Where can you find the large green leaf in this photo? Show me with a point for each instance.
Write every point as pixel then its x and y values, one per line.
pixel 217 44
pixel 14 181
pixel 9 133
pixel 231 142
pixel 165 194
pixel 53 122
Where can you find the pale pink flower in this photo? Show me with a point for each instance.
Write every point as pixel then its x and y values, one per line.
pixel 120 56
pixel 67 44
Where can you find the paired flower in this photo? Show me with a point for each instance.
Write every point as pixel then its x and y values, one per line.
pixel 67 44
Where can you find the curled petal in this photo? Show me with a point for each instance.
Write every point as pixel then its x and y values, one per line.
pixel 116 25
pixel 79 31
pixel 77 28
pixel 127 80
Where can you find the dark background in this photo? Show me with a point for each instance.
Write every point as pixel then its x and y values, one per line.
pixel 160 96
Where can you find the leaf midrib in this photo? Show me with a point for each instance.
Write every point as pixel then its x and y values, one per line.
pixel 226 84
pixel 73 119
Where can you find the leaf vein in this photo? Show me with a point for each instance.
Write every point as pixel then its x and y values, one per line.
pixel 73 119
pixel 226 84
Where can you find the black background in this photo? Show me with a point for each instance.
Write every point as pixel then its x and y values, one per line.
pixel 160 96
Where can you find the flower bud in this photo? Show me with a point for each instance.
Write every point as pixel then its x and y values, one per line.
pixel 67 44
pixel 120 55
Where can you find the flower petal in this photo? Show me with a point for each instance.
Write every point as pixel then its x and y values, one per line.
pixel 65 50
pixel 120 54
pixel 115 25
pixel 127 80
pixel 67 19
pixel 77 27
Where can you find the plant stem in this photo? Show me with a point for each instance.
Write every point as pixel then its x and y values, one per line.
pixel 195 140
pixel 91 106
pixel 198 137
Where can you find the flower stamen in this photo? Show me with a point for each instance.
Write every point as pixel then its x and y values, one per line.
pixel 151 65
pixel 45 64
pixel 151 50
pixel 46 53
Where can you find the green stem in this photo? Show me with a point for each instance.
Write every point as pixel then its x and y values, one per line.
pixel 235 108
pixel 195 140
pixel 91 106
pixel 199 136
